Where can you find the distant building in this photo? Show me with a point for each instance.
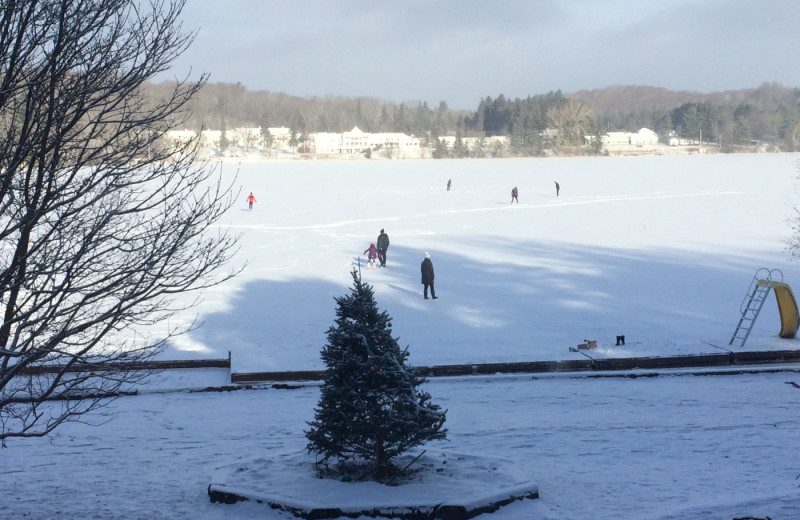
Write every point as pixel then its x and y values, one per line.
pixel 675 140
pixel 395 143
pixel 616 139
pixel 644 137
pixel 448 140
pixel 179 137
pixel 245 137
pixel 500 140
pixel 281 134
pixel 210 138
pixel 325 143
pixel 356 142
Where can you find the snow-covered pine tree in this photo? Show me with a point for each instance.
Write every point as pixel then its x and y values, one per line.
pixel 370 405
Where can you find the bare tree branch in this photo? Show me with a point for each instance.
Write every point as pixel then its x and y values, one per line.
pixel 100 226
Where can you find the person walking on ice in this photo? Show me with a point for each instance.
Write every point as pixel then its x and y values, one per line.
pixel 250 200
pixel 427 276
pixel 383 245
pixel 558 188
pixel 514 194
pixel 372 254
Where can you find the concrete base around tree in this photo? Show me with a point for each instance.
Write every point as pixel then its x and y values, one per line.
pixel 447 486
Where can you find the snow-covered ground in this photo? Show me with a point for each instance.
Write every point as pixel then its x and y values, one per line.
pixel 660 249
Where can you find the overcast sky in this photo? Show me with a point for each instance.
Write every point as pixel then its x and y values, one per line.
pixel 461 51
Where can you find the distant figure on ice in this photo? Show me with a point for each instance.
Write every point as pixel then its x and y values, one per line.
pixel 250 200
pixel 383 245
pixel 372 254
pixel 427 276
pixel 449 182
pixel 557 187
pixel 514 194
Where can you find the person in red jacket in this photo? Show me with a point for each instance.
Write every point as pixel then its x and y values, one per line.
pixel 250 200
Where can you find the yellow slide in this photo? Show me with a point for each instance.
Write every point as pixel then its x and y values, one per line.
pixel 787 308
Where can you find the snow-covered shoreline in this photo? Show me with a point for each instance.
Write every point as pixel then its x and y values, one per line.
pixel 661 249
pixel 663 448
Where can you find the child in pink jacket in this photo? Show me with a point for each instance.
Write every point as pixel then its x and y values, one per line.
pixel 373 254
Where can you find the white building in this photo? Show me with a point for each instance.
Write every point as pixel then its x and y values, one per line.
pixel 644 137
pixel 281 134
pixel 356 142
pixel 245 137
pixel 616 139
pixel 325 143
pixel 179 137
pixel 210 137
pixel 396 144
pixel 676 140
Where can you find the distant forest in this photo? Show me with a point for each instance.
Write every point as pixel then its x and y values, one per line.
pixel 769 113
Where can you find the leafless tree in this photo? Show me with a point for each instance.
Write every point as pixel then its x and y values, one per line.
pixel 572 120
pixel 100 228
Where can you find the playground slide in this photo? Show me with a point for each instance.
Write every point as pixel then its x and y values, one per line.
pixel 787 308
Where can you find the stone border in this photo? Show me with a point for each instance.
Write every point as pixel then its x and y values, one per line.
pixel 449 486
pixel 130 366
pixel 574 365
pixel 217 494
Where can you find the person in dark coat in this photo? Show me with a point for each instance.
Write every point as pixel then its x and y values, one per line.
pixel 514 194
pixel 558 187
pixel 427 276
pixel 383 245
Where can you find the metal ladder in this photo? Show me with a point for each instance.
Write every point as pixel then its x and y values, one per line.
pixel 753 302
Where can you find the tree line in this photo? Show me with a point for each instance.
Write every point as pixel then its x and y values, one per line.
pixel 769 113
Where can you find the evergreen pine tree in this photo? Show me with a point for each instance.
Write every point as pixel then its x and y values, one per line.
pixel 370 406
pixel 440 148
pixel 224 143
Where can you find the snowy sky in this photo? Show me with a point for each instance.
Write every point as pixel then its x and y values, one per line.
pixel 460 51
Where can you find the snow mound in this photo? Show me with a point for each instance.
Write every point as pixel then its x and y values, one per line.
pixel 449 486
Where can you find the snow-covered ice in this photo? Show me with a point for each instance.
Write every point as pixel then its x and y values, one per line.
pixel 661 249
